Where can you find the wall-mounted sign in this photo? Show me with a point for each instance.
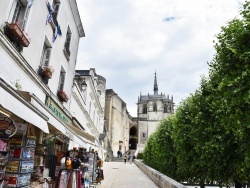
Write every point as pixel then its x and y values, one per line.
pixel 57 111
pixel 7 127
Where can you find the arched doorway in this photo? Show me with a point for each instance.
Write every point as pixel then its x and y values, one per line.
pixel 133 138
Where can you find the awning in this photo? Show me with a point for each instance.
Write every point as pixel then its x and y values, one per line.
pixel 66 130
pixel 15 103
pixel 82 133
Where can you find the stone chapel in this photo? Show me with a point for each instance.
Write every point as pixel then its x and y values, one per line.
pixel 151 109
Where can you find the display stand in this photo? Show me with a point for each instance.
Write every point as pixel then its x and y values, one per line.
pixel 21 161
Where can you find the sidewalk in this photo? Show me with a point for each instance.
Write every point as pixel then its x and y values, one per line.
pixel 121 175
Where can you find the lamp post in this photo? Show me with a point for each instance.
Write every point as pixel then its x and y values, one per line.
pixel 83 85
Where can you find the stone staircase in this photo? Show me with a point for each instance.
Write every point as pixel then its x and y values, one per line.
pixel 118 159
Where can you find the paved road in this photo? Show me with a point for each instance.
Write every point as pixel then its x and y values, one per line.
pixel 121 175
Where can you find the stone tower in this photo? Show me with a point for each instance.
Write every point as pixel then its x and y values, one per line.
pixel 151 109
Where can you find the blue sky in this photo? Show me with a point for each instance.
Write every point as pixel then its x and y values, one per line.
pixel 128 40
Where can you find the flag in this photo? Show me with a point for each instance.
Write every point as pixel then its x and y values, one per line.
pixel 55 34
pixel 30 3
pixel 59 30
pixel 50 16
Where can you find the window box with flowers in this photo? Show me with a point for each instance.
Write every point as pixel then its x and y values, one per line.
pixel 62 96
pixel 19 33
pixel 48 71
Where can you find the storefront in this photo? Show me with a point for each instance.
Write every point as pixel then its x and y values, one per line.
pixel 19 155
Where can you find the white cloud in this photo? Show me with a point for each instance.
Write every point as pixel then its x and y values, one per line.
pixel 128 40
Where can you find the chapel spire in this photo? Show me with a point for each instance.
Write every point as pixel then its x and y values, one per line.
pixel 155 86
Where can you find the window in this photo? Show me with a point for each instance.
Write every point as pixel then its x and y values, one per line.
pixel 61 79
pixel 55 6
pixel 165 108
pixel 45 55
pixel 67 44
pixel 144 110
pixel 155 107
pixel 89 108
pixel 20 13
pixel 143 135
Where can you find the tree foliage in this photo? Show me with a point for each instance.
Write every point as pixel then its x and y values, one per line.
pixel 207 138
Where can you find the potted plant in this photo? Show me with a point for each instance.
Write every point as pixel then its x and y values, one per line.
pixel 48 71
pixel 62 96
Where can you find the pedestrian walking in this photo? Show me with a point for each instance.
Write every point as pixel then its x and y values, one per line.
pixel 129 158
pixel 125 158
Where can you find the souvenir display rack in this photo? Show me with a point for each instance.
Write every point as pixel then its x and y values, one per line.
pixel 20 165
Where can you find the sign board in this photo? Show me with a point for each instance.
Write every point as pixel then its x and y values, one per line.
pixel 7 127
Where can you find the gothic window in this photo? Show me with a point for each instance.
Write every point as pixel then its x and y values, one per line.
pixel 144 110
pixel 165 108
pixel 155 107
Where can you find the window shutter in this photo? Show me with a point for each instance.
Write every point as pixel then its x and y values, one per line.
pixel 16 12
pixel 47 56
pixel 62 78
pixel 56 8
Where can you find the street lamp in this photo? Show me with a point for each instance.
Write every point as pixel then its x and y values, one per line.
pixel 83 85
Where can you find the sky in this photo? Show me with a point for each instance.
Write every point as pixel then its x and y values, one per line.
pixel 127 41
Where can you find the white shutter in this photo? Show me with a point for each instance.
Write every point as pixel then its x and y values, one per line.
pixel 62 78
pixel 17 12
pixel 47 56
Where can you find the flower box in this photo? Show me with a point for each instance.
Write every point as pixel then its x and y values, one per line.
pixel 16 30
pixel 48 71
pixel 62 96
pixel 24 41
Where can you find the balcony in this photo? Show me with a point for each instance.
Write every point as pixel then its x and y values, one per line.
pixel 16 35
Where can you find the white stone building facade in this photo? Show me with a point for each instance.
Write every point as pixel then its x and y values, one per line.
pixel 37 38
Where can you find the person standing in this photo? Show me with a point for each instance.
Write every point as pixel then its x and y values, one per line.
pixel 125 158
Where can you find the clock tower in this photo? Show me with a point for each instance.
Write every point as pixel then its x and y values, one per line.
pixel 151 109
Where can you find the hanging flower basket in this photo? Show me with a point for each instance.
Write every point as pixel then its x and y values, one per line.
pixel 48 71
pixel 62 96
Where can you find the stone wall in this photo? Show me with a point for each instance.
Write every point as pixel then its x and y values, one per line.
pixel 158 178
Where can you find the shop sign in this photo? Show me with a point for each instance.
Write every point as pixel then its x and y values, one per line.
pixel 7 127
pixel 69 134
pixel 57 111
